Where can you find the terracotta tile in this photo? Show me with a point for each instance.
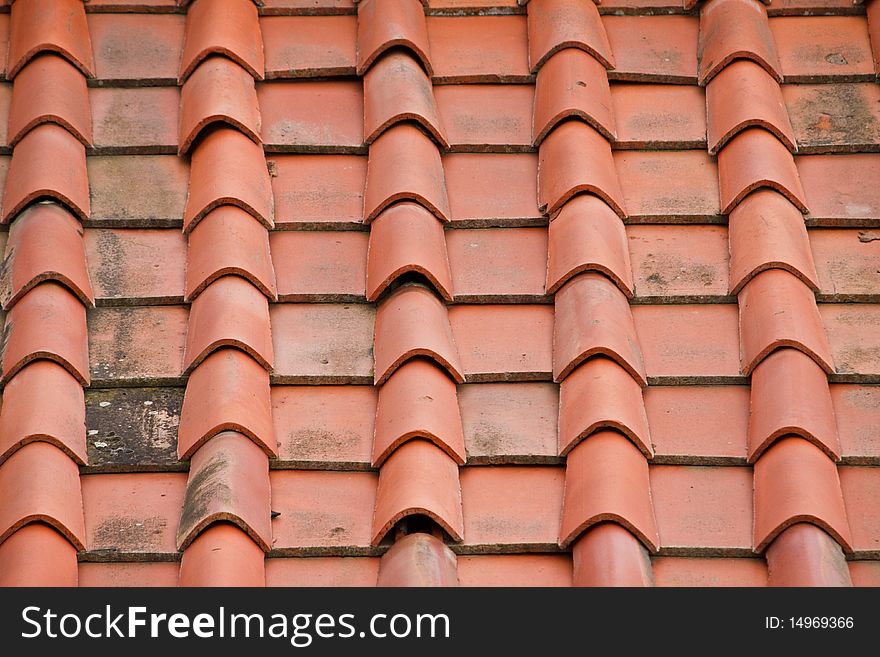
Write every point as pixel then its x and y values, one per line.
pixel 587 235
pixel 47 322
pixel 128 574
pixel 49 25
pixel 668 187
pixel 5 101
pixel 679 342
pixel 37 555
pixel 509 422
pixel 514 570
pixel 609 555
pixel 865 573
pixel 653 48
pixel 222 555
pixel 479 49
pixel 405 164
pixel 26 418
pixel 418 560
pixel 854 334
pixel 874 33
pixel 795 7
pixel 50 90
pixel 504 342
pixel 228 391
pixel 861 486
pixel 230 312
pixel 135 120
pixel 323 343
pixel 228 169
pixel 45 243
pixel 594 318
pixel 706 509
pixel 437 6
pixel 804 555
pixel 144 6
pixel 755 159
pixel 857 411
pixel 735 29
pixel 767 232
pixel 410 323
pixel 834 189
pixel 811 49
pixel 229 241
pixel 777 310
pixel 498 264
pixel 492 189
pixel 659 116
pixel 138 190
pixel 796 482
pixel 324 424
pixel 47 162
pixel 515 506
pixel 418 401
pixel 137 345
pixel 136 264
pixel 834 117
pixel 574 159
pixel 4 42
pixel 228 481
pixel 318 190
pixel 383 25
pixel 407 240
pixel 322 571
pixel 700 424
pixel 137 49
pixel 272 7
pixel 231 29
pixel 486 117
pixel 696 571
pixel 560 24
pixel 307 46
pixel 320 265
pixel 40 483
pixel 322 509
pixel 308 116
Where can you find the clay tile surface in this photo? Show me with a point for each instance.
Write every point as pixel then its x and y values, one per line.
pixel 230 312
pixel 50 90
pixel 558 24
pixel 224 27
pixel 479 49
pixel 40 483
pixel 25 418
pixel 418 479
pixel 735 29
pixel 305 46
pixel 37 555
pixel 767 232
pixel 411 323
pixel 492 188
pixel 222 555
pixel 607 554
pixel 572 84
pixel 229 482
pixel 320 265
pixel 229 241
pixel 592 318
pixel 228 168
pixel 47 322
pixel 606 479
pixel 487 117
pixel 778 310
pixel 228 391
pixel 49 25
pixel 796 482
pixel 753 159
pixel 418 401
pixel 418 560
pixel 48 161
pixel 839 48
pixel 45 243
pixel 742 95
pixel 219 90
pixel 573 159
pixel 405 164
pixel 405 239
pixel 397 89
pixel 804 555
pixel 384 24
pixel 313 190
pixel 653 48
pixel 597 395
pixel 659 116
pixel 587 235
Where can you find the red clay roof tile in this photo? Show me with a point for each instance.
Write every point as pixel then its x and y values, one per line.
pixel 227 27
pixel 607 554
pixel 320 265
pixel 37 555
pixel 514 570
pixel 329 6
pixel 865 573
pixel 804 555
pixel 322 571
pixel 137 49
pixel 487 117
pixel 558 24
pixel 228 391
pixel 49 25
pixel 653 48
pixel 384 24
pixel 857 411
pixel 854 334
pixel 834 189
pixel 406 239
pixel 141 120
pixel 860 488
pixel 659 116
pixel 131 573
pixel 697 571
pixel 318 190
pixel 829 118
pixel 479 49
pixel 492 189
pixel 308 46
pixel 222 555
pixel 418 560
pixel 813 50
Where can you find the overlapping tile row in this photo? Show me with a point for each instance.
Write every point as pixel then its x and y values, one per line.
pixel 418 442
pixel 800 522
pixel 45 292
pixel 607 515
pixel 226 430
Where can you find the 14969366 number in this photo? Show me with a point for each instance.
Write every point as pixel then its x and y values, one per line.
pixel 821 622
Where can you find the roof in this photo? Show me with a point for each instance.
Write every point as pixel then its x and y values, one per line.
pixel 307 292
